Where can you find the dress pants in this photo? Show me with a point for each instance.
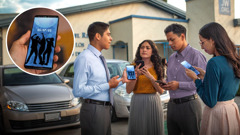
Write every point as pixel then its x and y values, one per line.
pixel 95 119
pixel 184 118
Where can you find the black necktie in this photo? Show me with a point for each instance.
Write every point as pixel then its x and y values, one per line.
pixel 108 77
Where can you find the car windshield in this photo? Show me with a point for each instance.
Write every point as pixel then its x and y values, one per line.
pixel 116 68
pixel 14 76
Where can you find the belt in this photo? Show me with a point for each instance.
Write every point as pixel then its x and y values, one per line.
pixel 184 99
pixel 91 101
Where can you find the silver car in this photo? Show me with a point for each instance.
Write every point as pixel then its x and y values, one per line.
pixel 33 103
pixel 122 99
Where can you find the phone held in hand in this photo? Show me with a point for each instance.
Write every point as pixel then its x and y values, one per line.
pixel 189 66
pixel 130 72
pixel 161 82
pixel 140 61
pixel 42 42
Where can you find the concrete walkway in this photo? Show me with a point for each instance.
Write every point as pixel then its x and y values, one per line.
pixel 237 100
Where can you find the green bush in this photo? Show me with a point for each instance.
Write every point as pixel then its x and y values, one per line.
pixel 238 93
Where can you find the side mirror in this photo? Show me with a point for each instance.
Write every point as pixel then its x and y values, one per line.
pixel 66 81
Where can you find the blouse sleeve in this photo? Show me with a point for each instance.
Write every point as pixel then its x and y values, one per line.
pixel 208 89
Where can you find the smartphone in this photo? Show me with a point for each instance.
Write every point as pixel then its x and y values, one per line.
pixel 42 42
pixel 161 82
pixel 140 61
pixel 189 66
pixel 130 72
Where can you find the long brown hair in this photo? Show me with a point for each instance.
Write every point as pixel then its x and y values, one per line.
pixel 155 58
pixel 223 44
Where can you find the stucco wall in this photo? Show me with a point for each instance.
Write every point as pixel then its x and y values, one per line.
pixel 6 58
pixel 122 31
pixel 199 12
pixel 81 21
pixel 150 29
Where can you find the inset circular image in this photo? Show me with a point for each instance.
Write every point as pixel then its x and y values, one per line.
pixel 40 41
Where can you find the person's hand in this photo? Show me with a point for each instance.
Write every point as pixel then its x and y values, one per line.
pixel 18 54
pixel 137 69
pixel 145 72
pixel 191 74
pixel 113 82
pixel 124 77
pixel 202 72
pixel 173 85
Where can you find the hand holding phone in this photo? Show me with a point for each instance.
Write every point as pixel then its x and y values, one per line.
pixel 140 62
pixel 130 72
pixel 189 66
pixel 161 82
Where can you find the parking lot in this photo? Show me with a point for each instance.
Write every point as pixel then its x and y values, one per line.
pixel 118 128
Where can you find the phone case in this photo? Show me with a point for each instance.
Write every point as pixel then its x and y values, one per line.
pixel 189 66
pixel 131 72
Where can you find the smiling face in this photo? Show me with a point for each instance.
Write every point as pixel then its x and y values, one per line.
pixel 176 42
pixel 207 45
pixel 145 50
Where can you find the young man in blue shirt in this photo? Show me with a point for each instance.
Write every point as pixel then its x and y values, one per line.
pixel 92 82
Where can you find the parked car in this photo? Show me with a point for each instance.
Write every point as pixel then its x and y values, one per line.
pixel 122 99
pixel 33 103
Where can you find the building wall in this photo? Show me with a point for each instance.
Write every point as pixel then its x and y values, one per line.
pixel 149 29
pixel 122 31
pixel 81 21
pixel 6 58
pixel 227 22
pixel 199 12
pixel 202 12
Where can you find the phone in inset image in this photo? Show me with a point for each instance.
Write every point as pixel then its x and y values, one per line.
pixel 130 72
pixel 189 66
pixel 140 61
pixel 42 42
pixel 161 82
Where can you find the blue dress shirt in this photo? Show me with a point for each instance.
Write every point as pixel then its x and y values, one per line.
pixel 90 79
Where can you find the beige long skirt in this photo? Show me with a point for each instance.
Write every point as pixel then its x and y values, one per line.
pixel 222 119
pixel 146 115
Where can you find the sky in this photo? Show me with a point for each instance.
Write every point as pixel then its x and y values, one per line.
pixel 18 6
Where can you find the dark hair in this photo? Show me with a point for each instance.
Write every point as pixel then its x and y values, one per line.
pixel 176 29
pixel 155 58
pixel 223 44
pixel 96 27
pixel 164 61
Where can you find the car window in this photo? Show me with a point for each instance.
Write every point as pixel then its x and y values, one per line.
pixel 70 71
pixel 113 69
pixel 116 68
pixel 14 76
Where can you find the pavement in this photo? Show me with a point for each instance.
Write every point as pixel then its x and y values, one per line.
pixel 237 100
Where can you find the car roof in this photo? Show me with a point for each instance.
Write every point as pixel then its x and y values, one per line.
pixel 8 66
pixel 108 60
pixel 115 60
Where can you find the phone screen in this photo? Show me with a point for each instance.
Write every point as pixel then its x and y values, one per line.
pixel 42 42
pixel 189 66
pixel 140 62
pixel 131 72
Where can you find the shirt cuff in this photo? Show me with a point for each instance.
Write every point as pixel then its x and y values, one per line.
pixel 183 85
pixel 198 82
pixel 104 87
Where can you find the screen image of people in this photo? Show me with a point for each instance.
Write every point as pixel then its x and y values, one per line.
pixel 42 42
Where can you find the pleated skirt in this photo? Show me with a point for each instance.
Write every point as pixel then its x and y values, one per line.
pixel 146 115
pixel 222 119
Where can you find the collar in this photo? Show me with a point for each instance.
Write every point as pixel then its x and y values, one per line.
pixel 184 52
pixel 94 50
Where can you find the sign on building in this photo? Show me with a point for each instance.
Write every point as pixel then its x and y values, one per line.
pixel 225 7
